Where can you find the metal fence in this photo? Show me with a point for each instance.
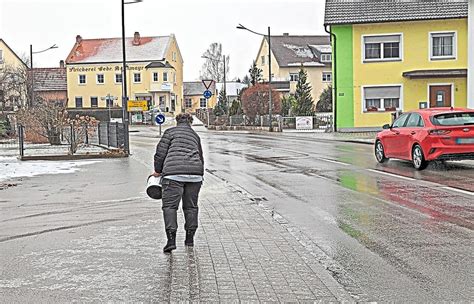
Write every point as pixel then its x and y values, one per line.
pixel 320 121
pixel 70 139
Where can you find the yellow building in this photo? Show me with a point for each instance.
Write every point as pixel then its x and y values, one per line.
pixel 154 73
pixel 289 54
pixel 194 99
pixel 13 79
pixel 396 56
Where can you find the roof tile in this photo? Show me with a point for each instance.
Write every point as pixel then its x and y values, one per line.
pixel 371 11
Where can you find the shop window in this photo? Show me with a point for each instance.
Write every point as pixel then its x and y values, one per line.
pixel 78 102
pixel 94 102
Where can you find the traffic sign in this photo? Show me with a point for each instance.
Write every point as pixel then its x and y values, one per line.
pixel 137 105
pixel 207 94
pixel 207 83
pixel 160 119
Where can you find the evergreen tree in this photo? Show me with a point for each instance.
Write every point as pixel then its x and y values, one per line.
pixel 288 104
pixel 255 74
pixel 221 106
pixel 304 102
pixel 325 101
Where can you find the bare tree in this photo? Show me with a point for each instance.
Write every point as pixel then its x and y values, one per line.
pixel 213 67
pixel 13 87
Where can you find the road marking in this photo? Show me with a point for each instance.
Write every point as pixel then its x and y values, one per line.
pixel 333 161
pixel 459 190
pixel 392 175
pixel 466 192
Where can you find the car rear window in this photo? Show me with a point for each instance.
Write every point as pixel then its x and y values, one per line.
pixel 454 119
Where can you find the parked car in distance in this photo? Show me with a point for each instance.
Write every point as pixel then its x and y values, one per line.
pixel 426 135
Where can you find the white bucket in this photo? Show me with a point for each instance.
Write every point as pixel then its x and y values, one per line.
pixel 153 187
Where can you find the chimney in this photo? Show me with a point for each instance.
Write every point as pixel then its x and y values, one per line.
pixel 61 64
pixel 136 38
pixel 78 39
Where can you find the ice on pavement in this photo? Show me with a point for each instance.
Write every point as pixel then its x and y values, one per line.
pixel 11 167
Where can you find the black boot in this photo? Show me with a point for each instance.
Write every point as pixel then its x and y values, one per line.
pixel 189 241
pixel 171 245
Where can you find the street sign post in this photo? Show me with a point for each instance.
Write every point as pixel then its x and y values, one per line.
pixel 137 105
pixel 207 94
pixel 207 83
pixel 160 119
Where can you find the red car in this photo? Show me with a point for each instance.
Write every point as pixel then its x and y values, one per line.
pixel 425 135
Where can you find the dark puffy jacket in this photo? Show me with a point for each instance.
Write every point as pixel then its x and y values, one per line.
pixel 179 152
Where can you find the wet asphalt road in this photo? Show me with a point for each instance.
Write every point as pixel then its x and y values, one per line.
pixel 389 233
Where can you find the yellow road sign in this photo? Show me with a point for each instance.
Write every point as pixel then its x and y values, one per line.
pixel 137 105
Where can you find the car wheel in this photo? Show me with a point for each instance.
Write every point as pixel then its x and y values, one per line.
pixel 418 158
pixel 380 152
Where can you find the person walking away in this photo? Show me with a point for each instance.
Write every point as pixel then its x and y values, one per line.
pixel 180 163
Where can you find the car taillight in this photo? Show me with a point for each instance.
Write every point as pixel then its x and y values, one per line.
pixel 439 132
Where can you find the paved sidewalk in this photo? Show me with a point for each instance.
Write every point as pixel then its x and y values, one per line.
pixel 243 253
pixel 359 137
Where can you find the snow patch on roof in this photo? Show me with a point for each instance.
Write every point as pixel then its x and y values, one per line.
pixel 300 51
pixel 322 48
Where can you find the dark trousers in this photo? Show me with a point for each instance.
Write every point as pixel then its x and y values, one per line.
pixel 173 192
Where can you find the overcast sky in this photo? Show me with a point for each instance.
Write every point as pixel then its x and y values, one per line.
pixel 196 24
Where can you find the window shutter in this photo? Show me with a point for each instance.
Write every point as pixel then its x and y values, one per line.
pixel 381 92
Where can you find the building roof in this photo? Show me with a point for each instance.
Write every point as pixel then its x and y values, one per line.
pixel 280 86
pixel 110 50
pixel 370 11
pixel 440 73
pixel 158 64
pixel 295 50
pixel 8 47
pixel 50 79
pixel 233 88
pixel 196 88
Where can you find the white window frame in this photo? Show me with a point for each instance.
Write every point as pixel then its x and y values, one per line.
pixel 190 100
pixel 97 79
pixel 382 59
pixel 75 102
pixel 165 79
pixel 440 84
pixel 153 76
pixel 200 103
pixel 134 79
pixel 455 45
pixel 1 56
pixel 115 78
pixel 263 59
pixel 381 109
pixel 325 74
pixel 297 76
pixel 79 79
pixel 96 97
pixel 325 55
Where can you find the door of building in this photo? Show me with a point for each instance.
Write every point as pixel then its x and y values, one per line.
pixel 440 96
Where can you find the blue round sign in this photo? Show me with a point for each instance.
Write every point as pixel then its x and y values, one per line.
pixel 207 94
pixel 160 119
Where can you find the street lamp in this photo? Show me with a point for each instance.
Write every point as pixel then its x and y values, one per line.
pixel 225 87
pixel 124 79
pixel 54 46
pixel 109 99
pixel 241 27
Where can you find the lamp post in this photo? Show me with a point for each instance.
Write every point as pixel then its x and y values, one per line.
pixel 241 27
pixel 109 100
pixel 225 87
pixel 124 79
pixel 54 46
